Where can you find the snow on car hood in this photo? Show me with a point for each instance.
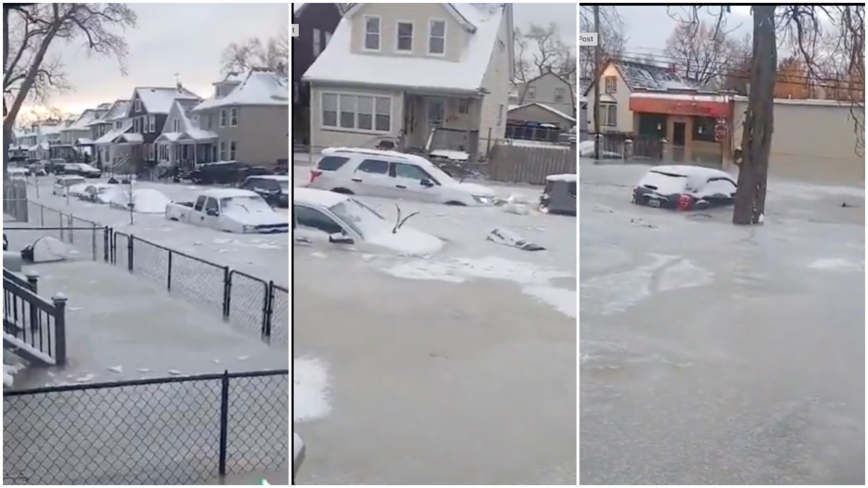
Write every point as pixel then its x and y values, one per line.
pixel 407 241
pixel 663 184
pixel 252 211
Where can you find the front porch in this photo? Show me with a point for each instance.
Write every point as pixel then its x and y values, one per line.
pixel 185 151
pixel 441 122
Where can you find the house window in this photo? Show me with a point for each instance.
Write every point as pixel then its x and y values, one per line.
pixel 176 126
pixel 500 115
pixel 611 84
pixel 232 146
pixel 405 37
pixel 608 115
pixel 207 121
pixel 317 42
pixel 560 94
pixel 463 107
pixel 531 93
pixel 359 112
pixel 222 117
pixel 152 123
pixel 437 37
pixel 138 105
pixel 233 117
pixel 372 33
pixel 136 125
pixel 703 129
pixel 222 150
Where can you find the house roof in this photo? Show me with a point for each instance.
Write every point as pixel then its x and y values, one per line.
pixel 643 76
pixel 118 110
pixel 158 100
pixel 231 77
pixel 544 107
pixel 260 87
pixel 337 64
pixel 83 121
pixel 111 135
pixel 188 128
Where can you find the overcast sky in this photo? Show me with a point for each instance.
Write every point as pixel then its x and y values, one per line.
pixel 170 38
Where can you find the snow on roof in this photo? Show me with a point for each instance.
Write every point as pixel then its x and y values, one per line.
pixel 188 127
pixel 47 129
pixel 260 87
pixel 111 135
pixel 317 197
pixel 544 107
pixel 83 121
pixel 117 110
pixel 133 137
pixel 159 100
pixel 338 64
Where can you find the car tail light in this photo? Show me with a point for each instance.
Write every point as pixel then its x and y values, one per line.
pixel 314 174
pixel 684 202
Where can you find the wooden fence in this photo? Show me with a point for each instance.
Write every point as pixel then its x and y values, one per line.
pixel 530 164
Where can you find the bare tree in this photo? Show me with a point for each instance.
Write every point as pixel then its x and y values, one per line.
pixel 701 49
pixel 542 49
pixel 611 38
pixel 28 32
pixel 252 53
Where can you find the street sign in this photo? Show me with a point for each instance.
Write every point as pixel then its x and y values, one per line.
pixel 720 132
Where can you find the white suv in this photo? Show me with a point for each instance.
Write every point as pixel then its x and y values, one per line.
pixel 391 174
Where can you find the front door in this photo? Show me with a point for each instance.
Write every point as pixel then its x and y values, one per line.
pixel 436 113
pixel 678 134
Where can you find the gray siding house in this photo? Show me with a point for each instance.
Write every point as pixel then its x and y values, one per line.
pixel 250 117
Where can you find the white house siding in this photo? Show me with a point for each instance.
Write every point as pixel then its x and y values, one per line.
pixel 497 82
pixel 621 98
pixel 813 140
pixel 545 92
pixel 323 137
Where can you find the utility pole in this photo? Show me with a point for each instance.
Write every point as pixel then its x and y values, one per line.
pixel 596 82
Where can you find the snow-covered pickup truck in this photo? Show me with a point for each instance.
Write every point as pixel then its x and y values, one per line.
pixel 230 210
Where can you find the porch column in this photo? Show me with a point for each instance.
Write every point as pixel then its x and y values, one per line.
pixel 195 155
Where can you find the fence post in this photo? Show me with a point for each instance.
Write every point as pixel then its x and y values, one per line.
pixel 224 421
pixel 41 216
pixel 169 273
pixel 227 291
pixel 269 308
pixel 59 328
pixel 60 221
pixel 32 278
pixel 130 252
pixel 70 220
pixel 105 244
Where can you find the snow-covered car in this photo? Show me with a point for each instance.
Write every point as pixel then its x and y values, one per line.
pixel 142 200
pixel 586 150
pixel 97 193
pixel 81 169
pixel 230 210
pixel 685 188
pixel 273 188
pixel 64 183
pixel 392 174
pixel 332 219
pixel 559 194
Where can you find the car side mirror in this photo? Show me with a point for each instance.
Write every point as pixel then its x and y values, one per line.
pixel 426 182
pixel 341 239
pixel 212 213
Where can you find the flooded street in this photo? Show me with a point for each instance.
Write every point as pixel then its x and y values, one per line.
pixel 711 354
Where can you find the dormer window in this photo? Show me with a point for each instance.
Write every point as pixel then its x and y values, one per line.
pixel 372 33
pixel 437 37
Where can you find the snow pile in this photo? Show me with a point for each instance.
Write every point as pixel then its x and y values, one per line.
pixel 144 200
pixel 9 372
pixel 449 154
pixel 310 390
pixel 508 238
pixel 48 249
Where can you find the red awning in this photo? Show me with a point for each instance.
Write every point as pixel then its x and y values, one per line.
pixel 680 106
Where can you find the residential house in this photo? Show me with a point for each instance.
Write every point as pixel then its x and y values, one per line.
pixel 17 147
pixel 251 122
pixel 618 80
pixel 182 143
pixel 583 108
pixel 76 139
pixel 105 129
pixel 316 24
pixel 147 112
pixel 538 122
pixel 551 90
pixel 403 72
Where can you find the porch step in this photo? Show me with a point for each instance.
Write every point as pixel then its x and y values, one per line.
pixel 24 350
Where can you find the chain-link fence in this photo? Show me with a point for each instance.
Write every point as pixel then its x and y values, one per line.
pixel 248 301
pixel 279 314
pixel 187 430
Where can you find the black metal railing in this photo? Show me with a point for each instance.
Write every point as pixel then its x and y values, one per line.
pixel 174 430
pixel 242 299
pixel 34 328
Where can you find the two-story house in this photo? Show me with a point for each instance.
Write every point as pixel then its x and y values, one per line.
pixel 105 129
pixel 76 137
pixel 316 24
pixel 551 90
pixel 182 143
pixel 404 71
pixel 251 122
pixel 145 117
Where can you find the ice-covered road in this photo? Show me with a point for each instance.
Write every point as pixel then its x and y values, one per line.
pixel 432 360
pixel 264 256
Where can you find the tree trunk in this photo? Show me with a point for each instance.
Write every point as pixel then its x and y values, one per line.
pixel 758 122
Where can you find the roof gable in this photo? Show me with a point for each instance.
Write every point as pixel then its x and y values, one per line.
pixel 299 7
pixel 260 87
pixel 158 100
pixel 463 13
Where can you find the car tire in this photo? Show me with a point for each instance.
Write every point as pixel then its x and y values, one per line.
pixel 456 203
pixel 343 191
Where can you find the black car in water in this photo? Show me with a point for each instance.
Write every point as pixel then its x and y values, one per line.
pixel 273 188
pixel 685 188
pixel 224 173
pixel 559 194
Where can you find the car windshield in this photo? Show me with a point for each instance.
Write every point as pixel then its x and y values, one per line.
pixel 363 219
pixel 246 204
